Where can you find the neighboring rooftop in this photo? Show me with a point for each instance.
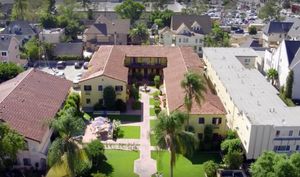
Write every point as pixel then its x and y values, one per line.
pixel 277 27
pixel 255 98
pixel 52 31
pixel 204 21
pixel 30 100
pixel 68 49
pixel 5 41
pixel 19 27
pixel 109 61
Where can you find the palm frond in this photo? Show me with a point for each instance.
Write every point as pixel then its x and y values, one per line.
pixel 55 152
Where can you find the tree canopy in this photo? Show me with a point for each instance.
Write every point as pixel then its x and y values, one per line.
pixel 163 16
pixel 273 164
pixel 139 34
pixel 217 37
pixel 130 9
pixel 269 11
pixel 10 143
pixel 9 70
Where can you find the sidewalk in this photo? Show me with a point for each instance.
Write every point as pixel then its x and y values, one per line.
pixel 145 166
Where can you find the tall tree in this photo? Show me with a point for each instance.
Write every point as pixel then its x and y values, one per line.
pixel 130 9
pixel 170 134
pixel 194 86
pixel 20 9
pixel 272 74
pixel 270 11
pixel 217 37
pixel 10 143
pixel 289 85
pixel 139 34
pixel 65 151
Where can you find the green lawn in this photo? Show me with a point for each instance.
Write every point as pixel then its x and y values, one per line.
pixel 152 112
pixel 130 132
pixel 127 118
pixel 184 167
pixel 151 101
pixel 122 162
pixel 152 123
pixel 152 136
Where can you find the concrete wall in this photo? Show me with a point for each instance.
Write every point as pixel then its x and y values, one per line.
pixel 94 95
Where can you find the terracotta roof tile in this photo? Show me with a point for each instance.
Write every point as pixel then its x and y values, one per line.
pixel 109 61
pixel 31 100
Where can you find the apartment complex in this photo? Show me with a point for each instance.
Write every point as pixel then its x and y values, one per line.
pixel 117 65
pixel 27 103
pixel 262 120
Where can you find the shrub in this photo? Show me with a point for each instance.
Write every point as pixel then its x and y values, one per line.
pixel 157 81
pixel 156 95
pixel 231 134
pixel 234 159
pixel 231 145
pixel 98 106
pixel 252 30
pixel 210 168
pixel 121 105
pixel 289 85
pixel 157 110
pixel 134 92
pixel 109 97
pixel 9 70
pixel 136 105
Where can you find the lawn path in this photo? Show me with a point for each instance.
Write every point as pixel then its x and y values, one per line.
pixel 145 166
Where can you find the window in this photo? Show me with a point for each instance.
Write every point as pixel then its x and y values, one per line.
pixel 291 133
pixel 201 120
pixel 297 148
pixel 100 88
pixel 283 148
pixel 87 88
pixel 277 133
pixel 3 54
pixel 179 40
pixel 216 120
pixel 119 88
pixel 88 101
pixel 26 162
pixel 196 41
pixel 200 136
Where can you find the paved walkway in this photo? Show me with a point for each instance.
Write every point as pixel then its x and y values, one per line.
pixel 145 166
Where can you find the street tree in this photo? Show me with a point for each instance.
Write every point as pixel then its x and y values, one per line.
pixel 130 9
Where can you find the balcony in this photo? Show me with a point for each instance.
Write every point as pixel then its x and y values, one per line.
pixel 146 65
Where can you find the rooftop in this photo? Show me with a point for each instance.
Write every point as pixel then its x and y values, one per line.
pixel 277 27
pixel 5 42
pixel 30 100
pixel 255 98
pixel 109 61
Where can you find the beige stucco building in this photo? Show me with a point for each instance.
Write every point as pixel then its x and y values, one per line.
pixel 117 66
pixel 9 49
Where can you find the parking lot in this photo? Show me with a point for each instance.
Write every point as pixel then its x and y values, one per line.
pixel 70 72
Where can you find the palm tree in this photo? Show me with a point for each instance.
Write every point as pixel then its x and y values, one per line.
pixel 19 9
pixel 193 85
pixel 170 134
pixel 65 153
pixel 272 74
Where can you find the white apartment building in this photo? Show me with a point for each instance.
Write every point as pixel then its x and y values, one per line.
pixel 262 121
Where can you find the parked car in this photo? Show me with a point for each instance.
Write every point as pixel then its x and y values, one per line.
pixel 85 65
pixel 239 31
pixel 78 65
pixel 61 65
pixel 60 74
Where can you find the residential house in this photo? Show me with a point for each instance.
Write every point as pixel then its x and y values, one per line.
pixel 285 59
pixel 186 30
pixel 274 32
pixel 69 49
pixel 254 110
pixel 118 65
pixel 9 49
pixel 106 32
pixel 22 30
pixel 27 103
pixel 52 36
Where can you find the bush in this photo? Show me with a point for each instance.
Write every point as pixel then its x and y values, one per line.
pixel 234 160
pixel 134 92
pixel 231 145
pixel 156 95
pixel 109 97
pixel 210 168
pixel 98 106
pixel 121 105
pixel 136 105
pixel 252 30
pixel 231 134
pixel 157 81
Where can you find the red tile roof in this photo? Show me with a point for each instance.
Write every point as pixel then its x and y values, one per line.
pixel 30 100
pixel 109 61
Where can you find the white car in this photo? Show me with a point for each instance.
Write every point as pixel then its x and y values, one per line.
pixel 60 74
